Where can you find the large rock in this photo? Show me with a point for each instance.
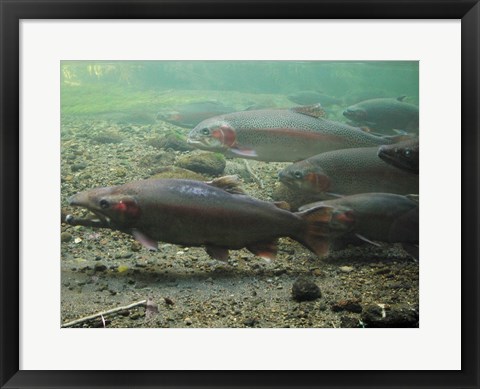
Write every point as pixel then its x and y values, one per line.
pixel 204 163
pixel 391 316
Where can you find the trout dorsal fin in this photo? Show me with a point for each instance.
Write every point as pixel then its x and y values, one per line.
pixel 314 110
pixel 230 184
pixel 401 98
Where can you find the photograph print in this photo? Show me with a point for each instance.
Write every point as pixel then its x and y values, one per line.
pixel 239 194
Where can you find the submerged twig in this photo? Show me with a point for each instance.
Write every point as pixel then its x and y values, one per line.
pixel 104 313
pixel 252 174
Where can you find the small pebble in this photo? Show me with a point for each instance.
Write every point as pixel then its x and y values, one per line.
pixel 250 322
pixel 78 166
pixel 135 246
pixel 346 269
pixel 78 240
pixel 317 272
pixel 66 237
pixel 99 267
pixel 188 321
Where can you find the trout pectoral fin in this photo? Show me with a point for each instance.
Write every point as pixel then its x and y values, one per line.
pixel 361 237
pixel 244 152
pixel 145 240
pixel 216 252
pixel 265 250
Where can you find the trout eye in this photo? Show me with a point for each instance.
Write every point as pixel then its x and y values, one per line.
pixel 104 204
pixel 407 152
pixel 205 131
pixel 298 174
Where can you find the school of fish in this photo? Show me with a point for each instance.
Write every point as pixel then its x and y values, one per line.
pixel 365 174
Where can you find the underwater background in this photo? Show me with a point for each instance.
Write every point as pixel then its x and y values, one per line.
pixel 123 121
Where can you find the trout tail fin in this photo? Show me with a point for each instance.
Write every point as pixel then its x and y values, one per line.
pixel 316 235
pixel 323 224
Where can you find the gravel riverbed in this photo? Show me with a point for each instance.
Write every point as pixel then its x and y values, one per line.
pixel 361 286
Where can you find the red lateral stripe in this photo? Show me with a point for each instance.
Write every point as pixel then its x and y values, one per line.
pixel 296 133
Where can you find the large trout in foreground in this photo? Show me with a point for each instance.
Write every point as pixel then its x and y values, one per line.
pixel 216 215
pixel 279 135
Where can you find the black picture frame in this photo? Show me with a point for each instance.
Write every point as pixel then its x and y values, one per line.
pixel 13 11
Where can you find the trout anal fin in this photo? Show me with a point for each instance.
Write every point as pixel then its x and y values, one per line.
pixel 147 242
pixel 218 253
pixel 265 250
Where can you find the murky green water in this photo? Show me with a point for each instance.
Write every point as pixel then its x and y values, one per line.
pixel 96 87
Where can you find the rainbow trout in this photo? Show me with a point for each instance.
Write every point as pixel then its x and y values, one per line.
pixel 307 97
pixel 384 114
pixel 279 135
pixel 346 172
pixel 404 155
pixel 190 114
pixel 216 215
pixel 381 217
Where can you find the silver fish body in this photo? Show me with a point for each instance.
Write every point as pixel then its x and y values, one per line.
pixel 278 135
pixel 384 114
pixel 347 172
pixel 193 213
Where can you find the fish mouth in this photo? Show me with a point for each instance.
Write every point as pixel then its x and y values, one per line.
pixel 192 141
pixel 397 162
pixel 101 220
pixel 383 154
pixel 355 115
pixel 199 144
pixel 282 177
pixel 205 144
pixel 349 113
pixel 287 180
